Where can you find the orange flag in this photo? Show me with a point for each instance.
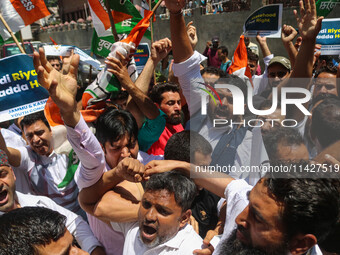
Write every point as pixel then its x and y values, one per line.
pixel 52 114
pixel 239 65
pixel 138 31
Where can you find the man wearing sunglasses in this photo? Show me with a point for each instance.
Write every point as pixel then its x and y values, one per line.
pixel 278 69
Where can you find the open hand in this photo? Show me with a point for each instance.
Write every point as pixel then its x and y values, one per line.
pixel 61 87
pixel 308 23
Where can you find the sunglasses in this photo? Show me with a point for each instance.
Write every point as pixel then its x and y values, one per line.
pixel 280 74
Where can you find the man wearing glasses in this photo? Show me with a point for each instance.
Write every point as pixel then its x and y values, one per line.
pixel 278 69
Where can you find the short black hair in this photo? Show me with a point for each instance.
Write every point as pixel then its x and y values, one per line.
pixel 183 188
pixel 326 121
pixel 158 90
pixel 285 136
pixel 183 145
pixel 223 49
pixel 114 124
pixel 310 204
pixel 233 79
pixel 213 70
pixel 331 244
pixel 252 56
pixel 28 120
pixel 52 58
pixel 25 228
pixel 326 69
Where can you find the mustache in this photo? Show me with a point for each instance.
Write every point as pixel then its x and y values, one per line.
pixel 244 232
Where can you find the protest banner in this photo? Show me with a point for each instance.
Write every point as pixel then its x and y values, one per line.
pixel 267 21
pixel 329 37
pixel 324 7
pixel 141 56
pixel 20 92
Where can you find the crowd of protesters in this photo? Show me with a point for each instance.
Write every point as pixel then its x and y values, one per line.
pixel 169 167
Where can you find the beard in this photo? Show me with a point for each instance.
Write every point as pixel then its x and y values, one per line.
pixel 174 119
pixel 233 246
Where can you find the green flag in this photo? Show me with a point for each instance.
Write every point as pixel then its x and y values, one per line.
pixel 10 40
pixel 324 7
pixel 101 46
pixel 123 8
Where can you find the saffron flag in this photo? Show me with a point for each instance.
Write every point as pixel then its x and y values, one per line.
pixel 138 31
pixel 19 14
pixel 239 64
pixel 124 13
pixel 145 7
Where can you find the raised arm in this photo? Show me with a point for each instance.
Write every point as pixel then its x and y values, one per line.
pixel 143 102
pixel 192 34
pixel 263 45
pixel 309 26
pixel 159 50
pixel 287 36
pixel 215 184
pixel 128 169
pixel 140 105
pixel 181 46
pixel 61 87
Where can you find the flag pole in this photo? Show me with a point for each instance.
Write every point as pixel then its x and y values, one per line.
pixel 113 28
pixel 22 42
pixel 10 31
pixel 151 27
pixel 156 6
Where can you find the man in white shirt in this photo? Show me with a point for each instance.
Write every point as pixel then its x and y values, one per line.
pixel 38 168
pixel 284 213
pixel 234 145
pixel 163 215
pixel 10 200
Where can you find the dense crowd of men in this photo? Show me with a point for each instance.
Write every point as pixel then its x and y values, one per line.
pixel 155 174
